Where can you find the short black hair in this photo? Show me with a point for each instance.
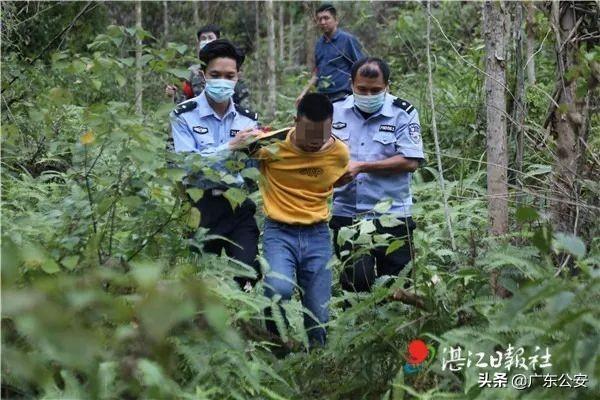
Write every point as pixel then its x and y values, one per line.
pixel 367 72
pixel 220 48
pixel 216 29
pixel 327 7
pixel 316 107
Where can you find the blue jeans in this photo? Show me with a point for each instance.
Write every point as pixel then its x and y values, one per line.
pixel 300 252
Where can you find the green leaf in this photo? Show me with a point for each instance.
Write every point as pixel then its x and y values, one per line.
pixel 70 262
pixel 526 214
pixel 131 202
pixel 121 81
pixel 383 206
pixel 179 73
pixel 59 96
pixel 542 239
pixel 344 234
pixel 195 193
pixel 146 58
pixel 50 266
pixel 97 84
pixel 367 227
pixel 251 173
pixel 193 219
pixel 235 196
pixel 569 243
pixel 395 245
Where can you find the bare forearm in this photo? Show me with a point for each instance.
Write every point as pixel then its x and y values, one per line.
pixel 390 166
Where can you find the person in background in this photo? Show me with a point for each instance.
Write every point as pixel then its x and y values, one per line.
pixel 211 125
pixel 335 52
pixel 384 136
pixel 196 82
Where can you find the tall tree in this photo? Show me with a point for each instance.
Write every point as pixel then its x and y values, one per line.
pixel 494 25
pixel 569 121
pixel 138 59
pixel 271 77
pixel 519 111
pixel 495 32
pixel 257 54
pixel 281 29
pixel 196 14
pixel 291 32
pixel 165 20
pixel 309 31
pixel 530 27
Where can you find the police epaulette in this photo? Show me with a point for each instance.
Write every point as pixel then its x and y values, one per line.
pixel 246 113
pixel 339 99
pixel 185 107
pixel 403 104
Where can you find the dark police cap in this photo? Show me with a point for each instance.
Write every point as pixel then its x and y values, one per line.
pixel 221 48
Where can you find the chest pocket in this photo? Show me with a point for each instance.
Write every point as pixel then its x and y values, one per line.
pixel 342 134
pixel 385 142
pixel 204 140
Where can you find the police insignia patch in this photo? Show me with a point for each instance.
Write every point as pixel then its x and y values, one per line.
pixel 185 107
pixel 414 131
pixel 387 128
pixel 233 132
pixel 339 125
pixel 200 129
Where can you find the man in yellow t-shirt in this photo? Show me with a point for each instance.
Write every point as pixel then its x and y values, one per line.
pixel 298 178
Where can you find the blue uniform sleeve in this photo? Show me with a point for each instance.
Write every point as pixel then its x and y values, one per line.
pixel 183 138
pixel 408 136
pixel 185 142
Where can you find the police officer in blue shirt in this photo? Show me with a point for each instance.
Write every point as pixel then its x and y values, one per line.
pixel 384 137
pixel 211 125
pixel 335 52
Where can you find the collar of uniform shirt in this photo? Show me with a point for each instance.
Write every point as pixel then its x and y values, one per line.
pixel 386 110
pixel 204 109
pixel 336 34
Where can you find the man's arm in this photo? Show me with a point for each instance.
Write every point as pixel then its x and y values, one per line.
pixel 355 49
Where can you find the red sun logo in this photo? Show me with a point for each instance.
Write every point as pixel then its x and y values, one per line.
pixel 417 352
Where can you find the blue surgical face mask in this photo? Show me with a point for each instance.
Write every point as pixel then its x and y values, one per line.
pixel 369 103
pixel 219 90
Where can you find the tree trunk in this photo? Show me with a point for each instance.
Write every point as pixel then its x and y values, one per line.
pixel 271 77
pixel 165 20
pixel 281 29
pixel 309 26
pixel 494 24
pixel 567 120
pixel 138 60
pixel 530 26
pixel 494 27
pixel 519 100
pixel 291 32
pixel 196 14
pixel 257 48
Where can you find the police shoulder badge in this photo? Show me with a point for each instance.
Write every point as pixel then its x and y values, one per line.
pixel 338 125
pixel 185 107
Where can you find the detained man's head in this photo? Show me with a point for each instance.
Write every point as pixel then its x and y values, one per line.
pixel 221 62
pixel 207 34
pixel 326 17
pixel 313 122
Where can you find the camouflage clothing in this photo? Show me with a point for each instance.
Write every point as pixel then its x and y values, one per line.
pixel 241 96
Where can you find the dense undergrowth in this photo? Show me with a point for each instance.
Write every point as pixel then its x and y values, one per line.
pixel 102 296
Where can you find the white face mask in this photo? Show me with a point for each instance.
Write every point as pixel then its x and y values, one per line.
pixel 204 43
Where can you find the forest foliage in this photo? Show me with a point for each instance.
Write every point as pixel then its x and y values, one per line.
pixel 103 297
